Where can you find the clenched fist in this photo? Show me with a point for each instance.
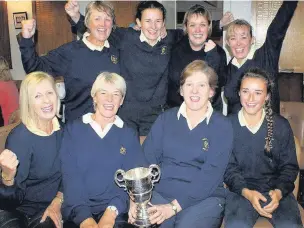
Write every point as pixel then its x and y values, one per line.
pixel 28 28
pixel 72 9
pixel 8 164
pixel 209 46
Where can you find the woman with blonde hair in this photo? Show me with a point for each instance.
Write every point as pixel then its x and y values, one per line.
pixel 30 188
pixel 93 148
pixel 8 91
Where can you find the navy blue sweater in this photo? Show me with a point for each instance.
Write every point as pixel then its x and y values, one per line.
pixel 249 166
pixel 266 57
pixel 77 64
pixel 182 55
pixel 145 68
pixel 192 162
pixel 38 175
pixel 88 167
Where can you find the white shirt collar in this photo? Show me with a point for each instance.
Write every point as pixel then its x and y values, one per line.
pixel 249 56
pixel 143 38
pixel 92 46
pixel 243 122
pixel 87 119
pixel 207 116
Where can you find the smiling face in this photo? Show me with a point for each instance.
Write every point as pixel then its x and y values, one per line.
pixel 240 41
pixel 197 29
pixel 107 101
pixel 196 92
pixel 100 25
pixel 151 23
pixel 253 95
pixel 44 101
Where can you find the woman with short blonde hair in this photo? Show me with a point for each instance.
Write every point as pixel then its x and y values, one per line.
pixel 33 194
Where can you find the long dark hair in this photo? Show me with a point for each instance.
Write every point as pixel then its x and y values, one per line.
pixel 149 5
pixel 261 74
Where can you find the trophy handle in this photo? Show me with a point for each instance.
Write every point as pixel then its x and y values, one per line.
pixel 120 181
pixel 155 176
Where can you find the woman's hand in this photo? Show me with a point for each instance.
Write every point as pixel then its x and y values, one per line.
pixel 108 219
pixel 132 212
pixel 8 165
pixel 254 197
pixel 54 212
pixel 159 213
pixel 209 45
pixel 276 196
pixel 89 223
pixel 72 9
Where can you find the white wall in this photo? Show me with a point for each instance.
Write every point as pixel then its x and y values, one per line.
pixel 17 6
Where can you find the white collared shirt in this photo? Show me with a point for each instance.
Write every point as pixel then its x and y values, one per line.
pixel 243 122
pixel 32 128
pixel 87 119
pixel 249 56
pixel 182 111
pixel 143 38
pixel 91 46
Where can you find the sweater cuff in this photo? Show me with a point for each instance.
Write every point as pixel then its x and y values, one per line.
pixel 81 213
pixel 283 190
pixel 24 42
pixel 80 21
pixel 119 204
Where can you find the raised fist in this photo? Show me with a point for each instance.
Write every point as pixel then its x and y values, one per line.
pixel 8 164
pixel 28 28
pixel 72 9
pixel 226 19
pixel 209 45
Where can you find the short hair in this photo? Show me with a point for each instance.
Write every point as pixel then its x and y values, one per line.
pixel 27 114
pixel 112 78
pixel 238 23
pixel 198 10
pixel 5 74
pixel 143 5
pixel 203 67
pixel 101 7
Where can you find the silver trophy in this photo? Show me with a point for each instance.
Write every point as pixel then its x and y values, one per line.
pixel 139 183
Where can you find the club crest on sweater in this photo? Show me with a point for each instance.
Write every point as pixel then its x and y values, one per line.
pixel 205 144
pixel 114 59
pixel 164 50
pixel 123 150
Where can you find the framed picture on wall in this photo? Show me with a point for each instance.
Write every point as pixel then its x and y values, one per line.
pixel 18 18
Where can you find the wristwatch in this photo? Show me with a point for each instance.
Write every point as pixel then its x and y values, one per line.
pixel 113 208
pixel 174 208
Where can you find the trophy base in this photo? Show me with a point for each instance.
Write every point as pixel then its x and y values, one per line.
pixel 142 223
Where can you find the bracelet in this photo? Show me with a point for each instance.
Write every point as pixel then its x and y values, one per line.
pixel 4 177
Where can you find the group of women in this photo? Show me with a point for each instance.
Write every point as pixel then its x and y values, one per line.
pixel 63 176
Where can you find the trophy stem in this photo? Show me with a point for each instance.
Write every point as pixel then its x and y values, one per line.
pixel 142 219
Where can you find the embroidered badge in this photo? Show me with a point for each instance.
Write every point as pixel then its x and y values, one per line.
pixel 123 150
pixel 205 144
pixel 164 50
pixel 114 59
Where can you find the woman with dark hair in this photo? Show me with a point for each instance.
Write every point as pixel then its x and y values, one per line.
pixel 196 45
pixel 192 153
pixel 144 63
pixel 263 165
pixel 244 55
pixel 30 189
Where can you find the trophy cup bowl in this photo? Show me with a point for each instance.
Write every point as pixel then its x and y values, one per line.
pixel 139 182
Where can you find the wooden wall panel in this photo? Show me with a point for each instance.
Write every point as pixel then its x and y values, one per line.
pixel 5 47
pixel 53 27
pixel 292 54
pixel 125 12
